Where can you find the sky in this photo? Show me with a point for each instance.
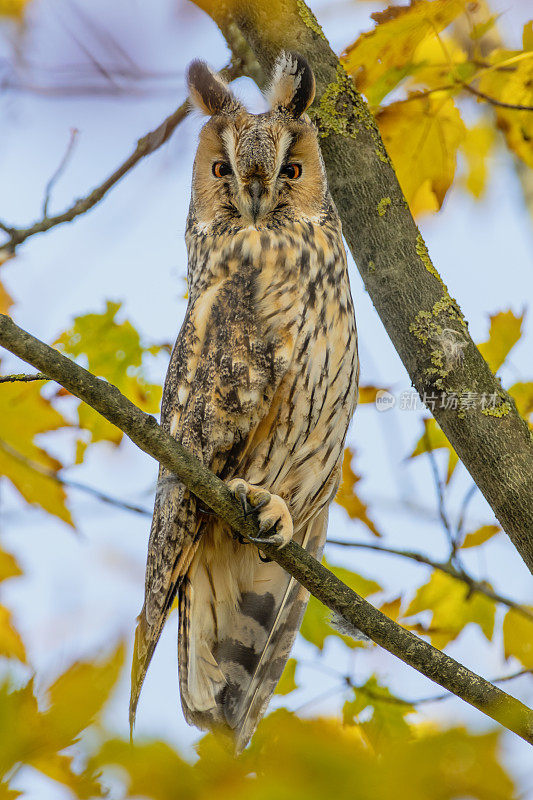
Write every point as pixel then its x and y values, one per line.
pixel 83 589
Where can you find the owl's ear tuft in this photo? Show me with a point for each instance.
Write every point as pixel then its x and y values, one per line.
pixel 292 87
pixel 208 92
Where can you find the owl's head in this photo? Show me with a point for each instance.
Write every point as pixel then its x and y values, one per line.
pixel 257 169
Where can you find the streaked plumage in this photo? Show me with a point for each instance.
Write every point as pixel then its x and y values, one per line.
pixel 261 387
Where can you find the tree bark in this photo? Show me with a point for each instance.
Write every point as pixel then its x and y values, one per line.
pixel 144 431
pixel 423 321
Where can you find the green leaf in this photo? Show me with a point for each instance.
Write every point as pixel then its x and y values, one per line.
pixel 388 713
pixel 316 625
pixel 114 351
pixel 451 608
pixel 505 331
pixel 287 682
pixel 518 637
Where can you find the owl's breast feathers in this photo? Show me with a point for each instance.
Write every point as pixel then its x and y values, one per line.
pixel 262 384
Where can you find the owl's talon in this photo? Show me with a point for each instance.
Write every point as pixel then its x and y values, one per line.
pixel 270 511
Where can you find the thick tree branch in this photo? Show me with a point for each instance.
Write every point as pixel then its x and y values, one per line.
pixel 144 431
pixel 424 322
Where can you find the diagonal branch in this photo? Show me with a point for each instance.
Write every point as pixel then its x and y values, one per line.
pixel 149 143
pixel 144 431
pixel 420 316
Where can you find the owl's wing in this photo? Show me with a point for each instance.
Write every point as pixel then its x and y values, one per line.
pixel 224 370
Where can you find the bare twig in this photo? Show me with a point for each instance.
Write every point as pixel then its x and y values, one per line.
pixel 70 484
pixel 144 431
pixel 59 171
pixel 444 566
pixel 147 144
pixel 493 100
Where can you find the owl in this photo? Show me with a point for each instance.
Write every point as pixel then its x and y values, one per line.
pixel 261 387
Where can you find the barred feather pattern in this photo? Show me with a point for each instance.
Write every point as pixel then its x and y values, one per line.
pixel 261 385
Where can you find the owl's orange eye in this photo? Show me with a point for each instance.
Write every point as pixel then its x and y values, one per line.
pixel 291 171
pixel 221 169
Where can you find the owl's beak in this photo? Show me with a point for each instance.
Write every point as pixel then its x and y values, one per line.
pixel 256 189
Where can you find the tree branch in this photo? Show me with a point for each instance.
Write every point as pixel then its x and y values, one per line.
pixel 474 586
pixel 149 143
pixel 144 431
pixel 415 307
pixel 23 378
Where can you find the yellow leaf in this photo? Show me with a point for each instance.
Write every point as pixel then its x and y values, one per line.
pixel 368 394
pixel 287 682
pixel 480 536
pixel 422 137
pixel 11 645
pixel 513 85
pixel 392 608
pixel 435 439
pixel 527 36
pixel 153 769
pixel 505 331
pixel 476 147
pixel 111 350
pixel 6 301
pixel 24 413
pixel 522 393
pixel 9 567
pixel 518 637
pixel 78 695
pixel 59 768
pixel 13 8
pixel 347 497
pixel 451 608
pixel 381 58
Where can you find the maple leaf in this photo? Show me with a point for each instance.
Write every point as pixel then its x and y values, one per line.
pixel 383 57
pixel 513 84
pixel 422 136
pixel 24 413
pixel 388 713
pixel 452 608
pixel 434 438
pixel 346 495
pixel 476 148
pixel 505 331
pixel 518 637
pixel 114 351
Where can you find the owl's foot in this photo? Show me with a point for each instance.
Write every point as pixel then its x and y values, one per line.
pixel 270 510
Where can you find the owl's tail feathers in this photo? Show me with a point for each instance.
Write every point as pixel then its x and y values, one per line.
pixel 233 647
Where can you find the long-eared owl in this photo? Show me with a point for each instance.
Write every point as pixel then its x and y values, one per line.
pixel 261 387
